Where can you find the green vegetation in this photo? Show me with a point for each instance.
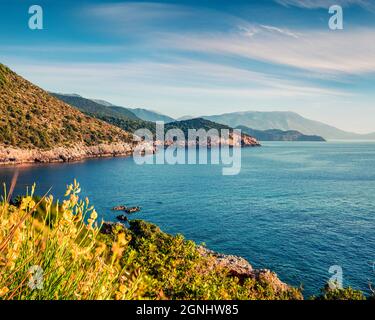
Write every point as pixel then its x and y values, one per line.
pixel 279 135
pixel 127 124
pixel 80 262
pixel 126 119
pixel 81 259
pixel 197 123
pixel 95 109
pixel 340 294
pixel 31 118
pixel 3 70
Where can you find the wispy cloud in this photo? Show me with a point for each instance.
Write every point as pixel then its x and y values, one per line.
pixel 179 87
pixel 348 52
pixel 182 59
pixel 324 4
pixel 281 31
pixel 181 75
pixel 149 17
pixel 323 51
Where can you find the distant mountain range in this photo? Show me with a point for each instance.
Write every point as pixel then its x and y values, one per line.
pixel 118 116
pixel 133 119
pixel 279 135
pixel 105 108
pixel 126 119
pixel 94 107
pixel 149 115
pixel 144 114
pixel 200 123
pixel 285 121
pixel 291 126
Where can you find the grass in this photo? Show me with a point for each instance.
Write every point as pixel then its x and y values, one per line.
pixel 58 250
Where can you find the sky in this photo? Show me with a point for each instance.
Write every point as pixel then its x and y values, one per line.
pixel 202 57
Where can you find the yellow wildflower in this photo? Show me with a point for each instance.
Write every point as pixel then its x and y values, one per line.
pixel 4 291
pixel 94 215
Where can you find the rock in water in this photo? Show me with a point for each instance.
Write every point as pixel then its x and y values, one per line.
pixel 119 208
pixel 133 209
pixel 122 218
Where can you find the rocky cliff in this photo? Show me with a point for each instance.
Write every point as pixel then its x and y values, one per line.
pixel 242 269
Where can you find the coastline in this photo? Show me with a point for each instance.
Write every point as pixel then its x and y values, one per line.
pixel 10 155
pixel 17 156
pixel 234 267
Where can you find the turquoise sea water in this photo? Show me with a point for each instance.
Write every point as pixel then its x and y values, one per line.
pixel 295 208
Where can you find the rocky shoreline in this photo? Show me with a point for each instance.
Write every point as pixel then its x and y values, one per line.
pixel 242 269
pixel 15 156
pixel 10 155
pixel 235 266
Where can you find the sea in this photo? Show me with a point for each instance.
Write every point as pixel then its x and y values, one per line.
pixel 305 210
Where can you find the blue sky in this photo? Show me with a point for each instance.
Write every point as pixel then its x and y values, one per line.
pixel 202 57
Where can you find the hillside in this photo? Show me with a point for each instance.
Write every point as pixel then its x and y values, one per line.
pixel 92 107
pixel 34 120
pixel 196 123
pixel 105 112
pixel 284 121
pixel 200 123
pixel 279 135
pixel 102 108
pixel 85 260
pixel 149 115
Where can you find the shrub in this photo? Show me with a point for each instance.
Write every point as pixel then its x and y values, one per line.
pixel 340 294
pixel 63 240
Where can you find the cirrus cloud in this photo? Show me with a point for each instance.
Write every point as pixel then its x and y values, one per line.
pixel 324 4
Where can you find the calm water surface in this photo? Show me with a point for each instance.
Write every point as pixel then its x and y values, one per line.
pixel 296 208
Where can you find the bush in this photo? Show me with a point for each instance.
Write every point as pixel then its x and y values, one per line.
pixel 80 262
pixel 340 294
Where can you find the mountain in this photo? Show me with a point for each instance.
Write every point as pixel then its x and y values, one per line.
pixel 200 123
pixel 117 116
pixel 279 135
pixel 92 107
pixel 32 123
pixel 103 102
pixel 149 115
pixel 196 123
pixel 284 121
pixel 183 118
pixel 107 111
pixel 143 114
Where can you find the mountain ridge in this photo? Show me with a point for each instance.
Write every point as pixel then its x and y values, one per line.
pixel 97 106
pixel 37 127
pixel 284 120
pixel 279 135
pixel 105 113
